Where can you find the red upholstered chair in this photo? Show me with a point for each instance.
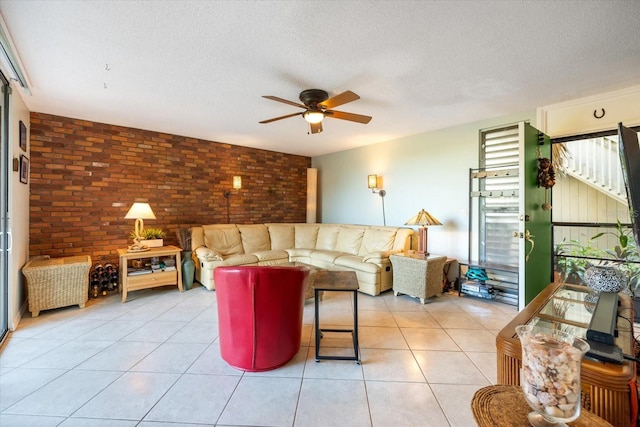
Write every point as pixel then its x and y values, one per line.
pixel 260 314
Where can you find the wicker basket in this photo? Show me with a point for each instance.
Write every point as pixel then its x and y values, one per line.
pixel 57 282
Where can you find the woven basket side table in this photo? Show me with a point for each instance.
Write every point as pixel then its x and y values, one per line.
pixel 419 277
pixel 57 282
pixel 504 406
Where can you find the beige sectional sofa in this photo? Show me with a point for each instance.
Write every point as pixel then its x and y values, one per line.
pixel 360 248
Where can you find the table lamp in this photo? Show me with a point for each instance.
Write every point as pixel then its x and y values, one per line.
pixel 423 219
pixel 139 211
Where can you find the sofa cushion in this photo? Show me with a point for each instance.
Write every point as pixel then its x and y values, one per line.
pixel 354 262
pixel 305 236
pixel 223 238
pixel 377 240
pixel 378 256
pixel 299 252
pixel 207 254
pixel 240 259
pixel 327 237
pixel 326 256
pixel 255 238
pixel 282 236
pixel 271 255
pixel 349 239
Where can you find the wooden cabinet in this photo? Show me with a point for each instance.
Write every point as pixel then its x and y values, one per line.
pixel 608 389
pixel 131 282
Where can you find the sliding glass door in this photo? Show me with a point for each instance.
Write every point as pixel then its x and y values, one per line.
pixel 4 208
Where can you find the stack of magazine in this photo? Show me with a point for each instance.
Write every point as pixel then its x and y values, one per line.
pixel 167 264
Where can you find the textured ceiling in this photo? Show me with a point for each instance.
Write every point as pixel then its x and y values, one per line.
pixel 199 68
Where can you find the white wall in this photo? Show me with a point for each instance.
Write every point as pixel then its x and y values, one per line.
pixel 18 209
pixel 429 170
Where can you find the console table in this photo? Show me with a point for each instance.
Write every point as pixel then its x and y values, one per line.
pixel 608 389
pixel 151 280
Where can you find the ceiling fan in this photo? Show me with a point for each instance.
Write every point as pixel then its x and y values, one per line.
pixel 318 105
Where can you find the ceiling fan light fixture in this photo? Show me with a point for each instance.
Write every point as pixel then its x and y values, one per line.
pixel 313 116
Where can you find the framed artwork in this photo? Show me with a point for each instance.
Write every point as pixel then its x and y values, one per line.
pixel 24 169
pixel 23 136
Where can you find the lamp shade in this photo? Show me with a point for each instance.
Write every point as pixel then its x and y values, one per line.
pixel 423 218
pixel 372 181
pixel 140 211
pixel 237 182
pixel 313 116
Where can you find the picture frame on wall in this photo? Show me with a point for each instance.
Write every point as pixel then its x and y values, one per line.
pixel 24 169
pixel 23 136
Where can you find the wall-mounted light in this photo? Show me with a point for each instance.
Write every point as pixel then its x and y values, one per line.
pixel 374 183
pixel 237 185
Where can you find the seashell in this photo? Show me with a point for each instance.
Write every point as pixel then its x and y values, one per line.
pixel 554 411
pixel 567 407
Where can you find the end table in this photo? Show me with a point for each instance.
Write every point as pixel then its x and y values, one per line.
pixel 148 278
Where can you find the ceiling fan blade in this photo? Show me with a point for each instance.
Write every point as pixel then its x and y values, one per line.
pixel 275 98
pixel 348 116
pixel 316 127
pixel 281 117
pixel 340 99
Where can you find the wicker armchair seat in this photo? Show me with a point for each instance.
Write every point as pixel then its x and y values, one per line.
pixel 57 282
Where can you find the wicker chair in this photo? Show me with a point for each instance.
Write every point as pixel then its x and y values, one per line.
pixel 419 278
pixel 57 282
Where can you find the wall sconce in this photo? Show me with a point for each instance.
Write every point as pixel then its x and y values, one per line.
pixel 237 185
pixel 372 183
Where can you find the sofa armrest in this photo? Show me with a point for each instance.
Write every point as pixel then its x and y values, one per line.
pixel 378 256
pixel 206 254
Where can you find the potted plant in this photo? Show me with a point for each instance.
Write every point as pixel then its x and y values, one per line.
pixel 626 258
pixel 151 237
pixel 571 260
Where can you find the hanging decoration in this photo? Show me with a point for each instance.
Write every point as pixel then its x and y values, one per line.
pixel 546 174
pixel 546 178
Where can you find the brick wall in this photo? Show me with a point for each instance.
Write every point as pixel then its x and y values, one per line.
pixel 85 176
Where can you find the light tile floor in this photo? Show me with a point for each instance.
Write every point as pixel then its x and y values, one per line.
pixel 155 361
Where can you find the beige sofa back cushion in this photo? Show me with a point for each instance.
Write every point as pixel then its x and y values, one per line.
pixel 197 237
pixel 327 237
pixel 255 238
pixel 377 240
pixel 349 239
pixel 223 238
pixel 282 236
pixel 306 236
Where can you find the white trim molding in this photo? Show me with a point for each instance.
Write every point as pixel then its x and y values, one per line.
pixel 591 114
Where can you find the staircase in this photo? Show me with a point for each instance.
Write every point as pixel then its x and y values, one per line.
pixel 596 162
